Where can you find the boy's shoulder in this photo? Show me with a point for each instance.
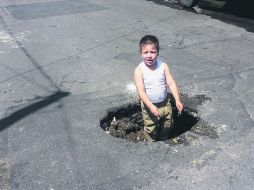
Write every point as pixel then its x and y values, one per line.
pixel 140 65
pixel 138 68
pixel 164 64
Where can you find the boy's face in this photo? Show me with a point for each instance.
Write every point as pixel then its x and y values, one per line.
pixel 149 54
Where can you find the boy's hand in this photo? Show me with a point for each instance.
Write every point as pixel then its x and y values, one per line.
pixel 155 111
pixel 179 106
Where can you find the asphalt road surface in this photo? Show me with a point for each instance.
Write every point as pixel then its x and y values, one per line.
pixel 64 64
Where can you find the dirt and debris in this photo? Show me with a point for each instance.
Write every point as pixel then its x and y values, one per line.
pixel 130 128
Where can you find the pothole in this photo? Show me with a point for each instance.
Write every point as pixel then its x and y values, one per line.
pixel 126 122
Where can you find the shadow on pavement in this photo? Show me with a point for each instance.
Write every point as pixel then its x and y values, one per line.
pixel 19 114
pixel 57 95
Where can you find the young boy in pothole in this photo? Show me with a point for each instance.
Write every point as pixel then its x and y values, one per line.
pixel 152 79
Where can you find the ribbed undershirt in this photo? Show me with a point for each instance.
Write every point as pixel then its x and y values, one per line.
pixel 154 82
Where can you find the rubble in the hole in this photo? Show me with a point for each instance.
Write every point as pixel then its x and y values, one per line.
pixel 130 128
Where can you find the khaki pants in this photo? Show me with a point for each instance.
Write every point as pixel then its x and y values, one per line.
pixel 157 129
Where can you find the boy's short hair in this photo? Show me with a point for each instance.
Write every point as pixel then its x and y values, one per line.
pixel 149 39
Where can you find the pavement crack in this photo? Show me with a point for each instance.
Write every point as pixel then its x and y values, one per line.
pixel 28 55
pixel 181 45
pixel 236 72
pixel 40 68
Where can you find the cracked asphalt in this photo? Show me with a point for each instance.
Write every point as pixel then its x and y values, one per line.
pixel 64 64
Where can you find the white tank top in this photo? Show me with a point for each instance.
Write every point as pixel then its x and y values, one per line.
pixel 154 82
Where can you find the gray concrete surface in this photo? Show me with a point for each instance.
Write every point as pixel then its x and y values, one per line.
pixel 50 139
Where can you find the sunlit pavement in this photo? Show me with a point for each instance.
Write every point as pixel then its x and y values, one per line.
pixel 63 64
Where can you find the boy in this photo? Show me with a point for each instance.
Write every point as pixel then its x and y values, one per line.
pixel 152 79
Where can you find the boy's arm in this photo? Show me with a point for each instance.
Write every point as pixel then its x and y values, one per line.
pixel 142 93
pixel 173 87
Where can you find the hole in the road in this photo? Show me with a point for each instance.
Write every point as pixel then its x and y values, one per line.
pixel 126 122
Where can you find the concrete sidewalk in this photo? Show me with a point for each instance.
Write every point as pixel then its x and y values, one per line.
pixel 63 64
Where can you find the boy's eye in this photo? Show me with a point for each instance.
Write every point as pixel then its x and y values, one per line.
pixel 146 52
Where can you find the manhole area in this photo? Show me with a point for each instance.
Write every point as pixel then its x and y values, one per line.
pixel 126 122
